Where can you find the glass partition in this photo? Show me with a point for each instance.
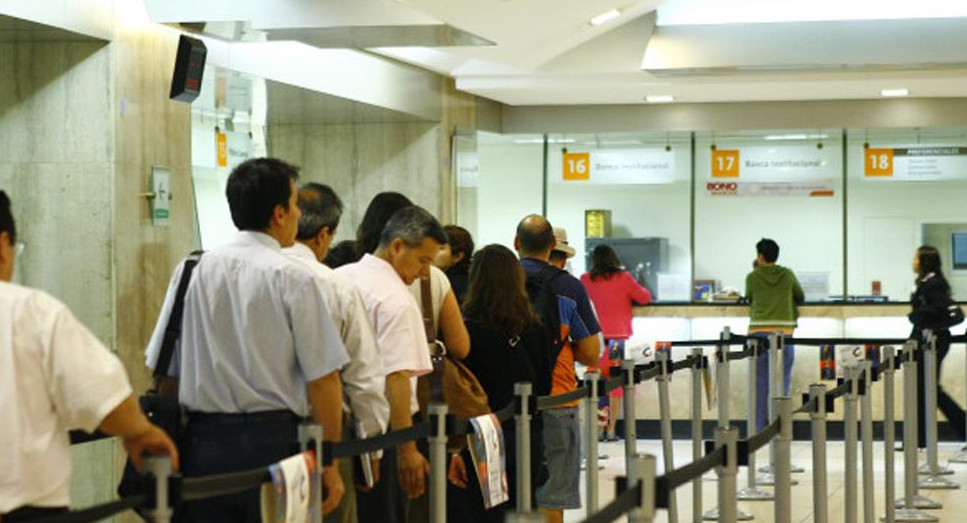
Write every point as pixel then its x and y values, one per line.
pixel 784 185
pixel 906 188
pixel 631 191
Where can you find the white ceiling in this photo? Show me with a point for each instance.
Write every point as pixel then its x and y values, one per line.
pixel 546 52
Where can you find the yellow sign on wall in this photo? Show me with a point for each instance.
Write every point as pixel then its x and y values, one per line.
pixel 878 162
pixel 725 163
pixel 577 166
pixel 221 147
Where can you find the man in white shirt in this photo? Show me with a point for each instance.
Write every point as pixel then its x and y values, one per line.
pixel 258 350
pixel 55 376
pixel 363 378
pixel 407 246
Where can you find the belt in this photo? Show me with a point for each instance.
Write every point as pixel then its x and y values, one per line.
pixel 267 416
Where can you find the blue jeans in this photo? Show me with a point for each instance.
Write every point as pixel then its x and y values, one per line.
pixel 763 379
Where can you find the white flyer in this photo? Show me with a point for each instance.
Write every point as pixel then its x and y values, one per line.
pixel 487 451
pixel 287 499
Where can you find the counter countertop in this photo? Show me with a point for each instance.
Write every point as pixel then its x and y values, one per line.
pixel 809 309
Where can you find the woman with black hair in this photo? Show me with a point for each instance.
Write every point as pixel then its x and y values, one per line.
pixel 509 345
pixel 929 302
pixel 612 291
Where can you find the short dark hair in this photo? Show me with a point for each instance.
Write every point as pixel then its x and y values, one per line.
pixel 412 224
pixel 255 188
pixel 343 253
pixel 536 237
pixel 321 207
pixel 460 243
pixel 768 249
pixel 7 223
pixel 557 256
pixel 380 209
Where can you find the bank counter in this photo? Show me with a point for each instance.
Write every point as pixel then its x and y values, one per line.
pixel 704 321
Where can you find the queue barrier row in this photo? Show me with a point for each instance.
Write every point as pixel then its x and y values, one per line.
pixel 639 500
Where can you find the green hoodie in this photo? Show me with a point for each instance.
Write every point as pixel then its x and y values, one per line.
pixel 773 292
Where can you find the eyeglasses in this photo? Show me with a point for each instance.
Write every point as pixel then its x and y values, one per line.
pixel 18 249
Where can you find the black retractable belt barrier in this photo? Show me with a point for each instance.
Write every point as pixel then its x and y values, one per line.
pixel 625 502
pixel 551 402
pixel 345 449
pixel 223 484
pixel 667 483
pixel 844 341
pixel 735 339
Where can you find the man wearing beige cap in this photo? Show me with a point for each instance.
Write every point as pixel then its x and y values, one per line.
pixel 562 250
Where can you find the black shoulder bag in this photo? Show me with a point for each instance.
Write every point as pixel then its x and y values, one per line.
pixel 163 410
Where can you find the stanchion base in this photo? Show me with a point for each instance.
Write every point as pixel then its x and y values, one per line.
pixel 939 471
pixel 754 494
pixel 920 502
pixel 796 469
pixel 959 458
pixel 936 483
pixel 602 455
pixel 912 515
pixel 584 465
pixel 766 469
pixel 768 480
pixel 713 515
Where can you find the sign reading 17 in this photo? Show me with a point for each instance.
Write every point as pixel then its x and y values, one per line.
pixel 725 163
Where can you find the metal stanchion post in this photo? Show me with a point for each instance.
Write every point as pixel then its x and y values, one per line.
pixel 889 477
pixel 664 405
pixel 932 481
pixel 728 437
pixel 817 392
pixel 783 507
pixel 723 387
pixel 961 456
pixel 907 507
pixel 777 387
pixel 310 439
pixel 851 373
pixel 641 471
pixel 750 492
pixel 438 462
pixel 630 414
pixel 697 432
pixel 591 448
pixel 159 466
pixel 866 436
pixel 522 421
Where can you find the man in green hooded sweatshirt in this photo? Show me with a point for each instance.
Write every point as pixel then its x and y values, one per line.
pixel 773 293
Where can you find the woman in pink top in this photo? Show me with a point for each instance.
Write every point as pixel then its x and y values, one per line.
pixel 613 292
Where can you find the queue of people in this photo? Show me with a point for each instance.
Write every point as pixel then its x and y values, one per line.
pixel 280 325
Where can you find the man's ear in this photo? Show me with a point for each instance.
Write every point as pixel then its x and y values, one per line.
pixel 516 243
pixel 278 215
pixel 457 258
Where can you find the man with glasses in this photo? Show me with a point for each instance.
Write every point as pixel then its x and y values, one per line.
pixel 55 376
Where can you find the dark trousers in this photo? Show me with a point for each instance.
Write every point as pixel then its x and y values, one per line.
pixel 386 502
pixel 950 409
pixel 220 443
pixel 30 513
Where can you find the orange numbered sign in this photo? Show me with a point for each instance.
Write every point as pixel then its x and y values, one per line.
pixel 725 163
pixel 879 162
pixel 577 166
pixel 221 148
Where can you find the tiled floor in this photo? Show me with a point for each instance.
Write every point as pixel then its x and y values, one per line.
pixel 954 501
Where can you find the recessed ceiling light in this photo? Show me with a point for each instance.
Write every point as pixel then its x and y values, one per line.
pixel 605 17
pixel 894 92
pixel 659 98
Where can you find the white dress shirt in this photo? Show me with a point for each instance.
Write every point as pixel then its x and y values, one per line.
pixel 395 316
pixel 255 331
pixel 363 379
pixel 55 376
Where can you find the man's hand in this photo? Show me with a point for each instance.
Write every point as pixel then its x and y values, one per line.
pixel 413 471
pixel 374 463
pixel 458 471
pixel 332 489
pixel 153 440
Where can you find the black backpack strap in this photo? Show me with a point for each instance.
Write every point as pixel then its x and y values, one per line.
pixel 173 329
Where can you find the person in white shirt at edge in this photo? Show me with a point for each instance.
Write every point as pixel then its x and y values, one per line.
pixel 55 376
pixel 258 350
pixel 363 378
pixel 407 246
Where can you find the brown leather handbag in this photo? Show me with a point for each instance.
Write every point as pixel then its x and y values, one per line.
pixel 451 381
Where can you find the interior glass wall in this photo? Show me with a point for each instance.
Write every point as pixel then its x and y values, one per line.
pixel 630 191
pixel 906 188
pixel 783 185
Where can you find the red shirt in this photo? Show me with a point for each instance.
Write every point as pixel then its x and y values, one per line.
pixel 613 297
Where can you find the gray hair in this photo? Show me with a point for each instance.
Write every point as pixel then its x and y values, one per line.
pixel 320 207
pixel 412 224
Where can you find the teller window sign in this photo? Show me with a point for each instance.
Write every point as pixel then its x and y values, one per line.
pixel 725 163
pixel 879 162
